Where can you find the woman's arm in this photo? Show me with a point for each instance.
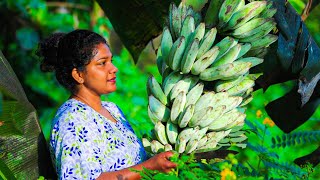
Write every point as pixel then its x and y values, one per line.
pixel 158 162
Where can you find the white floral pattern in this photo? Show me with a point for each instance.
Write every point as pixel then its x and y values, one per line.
pixel 84 143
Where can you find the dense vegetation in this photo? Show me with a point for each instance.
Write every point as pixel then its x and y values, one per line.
pixel 271 151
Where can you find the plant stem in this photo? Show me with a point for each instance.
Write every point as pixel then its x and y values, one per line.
pixel 264 134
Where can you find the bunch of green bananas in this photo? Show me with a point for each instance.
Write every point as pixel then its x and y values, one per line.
pixel 249 23
pixel 199 106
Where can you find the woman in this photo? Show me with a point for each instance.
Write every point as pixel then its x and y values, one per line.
pixel 91 139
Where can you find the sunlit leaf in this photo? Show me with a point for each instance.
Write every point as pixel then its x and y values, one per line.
pixel 19 128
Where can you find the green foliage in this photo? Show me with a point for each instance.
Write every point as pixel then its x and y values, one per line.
pixel 296 138
pixel 187 168
pixel 5 172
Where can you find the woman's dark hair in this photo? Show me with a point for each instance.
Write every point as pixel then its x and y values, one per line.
pixel 62 52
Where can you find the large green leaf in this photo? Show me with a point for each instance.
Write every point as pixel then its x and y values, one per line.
pixel 19 130
pixel 296 56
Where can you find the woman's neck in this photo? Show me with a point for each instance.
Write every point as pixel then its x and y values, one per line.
pixel 88 98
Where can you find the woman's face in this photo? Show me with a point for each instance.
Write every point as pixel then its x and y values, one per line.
pixel 100 74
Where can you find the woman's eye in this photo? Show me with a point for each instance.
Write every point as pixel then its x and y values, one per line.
pixel 102 63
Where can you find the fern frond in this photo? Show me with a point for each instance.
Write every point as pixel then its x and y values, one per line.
pixel 284 168
pixel 296 138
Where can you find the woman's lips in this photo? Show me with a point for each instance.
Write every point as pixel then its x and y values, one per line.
pixel 112 80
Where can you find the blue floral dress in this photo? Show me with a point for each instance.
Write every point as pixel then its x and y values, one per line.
pixel 84 143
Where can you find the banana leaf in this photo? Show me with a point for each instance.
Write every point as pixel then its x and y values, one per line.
pixel 19 129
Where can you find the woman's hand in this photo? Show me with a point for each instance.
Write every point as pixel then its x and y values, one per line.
pixel 160 162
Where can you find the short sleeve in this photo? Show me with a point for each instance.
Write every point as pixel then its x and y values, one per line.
pixel 77 154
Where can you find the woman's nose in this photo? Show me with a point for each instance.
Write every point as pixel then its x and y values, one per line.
pixel 114 69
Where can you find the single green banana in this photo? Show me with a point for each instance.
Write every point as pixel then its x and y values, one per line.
pixel 253 60
pixel 204 101
pixel 205 61
pixel 159 61
pixel 181 144
pixel 194 94
pixel 242 87
pixel 159 109
pixel 161 65
pixel 211 19
pixel 170 81
pixel 156 147
pixel 246 29
pixel 178 106
pixel 227 9
pixel 167 147
pixel 176 20
pixel 200 133
pixel 199 115
pixel 231 102
pixel 212 141
pixel 239 122
pixel 257 36
pixel 189 56
pixel 188 27
pixel 238 139
pixel 259 32
pixel 186 116
pixel 268 12
pixel 183 85
pixel 207 42
pixel 160 131
pixel 156 91
pixel 175 61
pixel 152 116
pixel 210 99
pixel 237 133
pixel 146 144
pixel 186 132
pixel 213 115
pixel 215 73
pixel 202 141
pixel 198 32
pixel 245 14
pixel 245 47
pixel 172 52
pixel 236 128
pixel 224 45
pixel 264 41
pixel 166 44
pixel 259 52
pixel 224 85
pixel 222 122
pixel 170 20
pixel 183 12
pixel 172 132
pixel 191 146
pixel 217 136
pixel 228 57
pixel 239 69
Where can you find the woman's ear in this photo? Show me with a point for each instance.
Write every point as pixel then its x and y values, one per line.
pixel 77 75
